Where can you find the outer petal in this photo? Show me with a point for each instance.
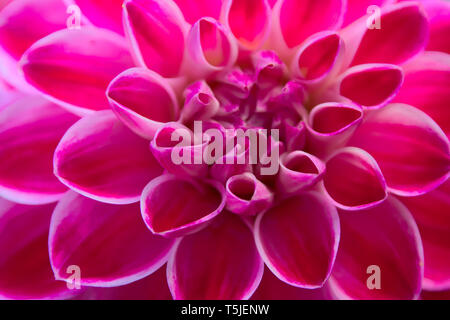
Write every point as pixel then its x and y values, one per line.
pixel 25 271
pixel 403 33
pixel 353 180
pixel 110 244
pixel 386 237
pixel 298 239
pixel 17 33
pixel 426 86
pixel 103 13
pixel 438 13
pixel 193 10
pixel 143 100
pixel 148 26
pixel 411 149
pixel 172 206
pixel 358 8
pixel 432 214
pixel 74 67
pixel 30 129
pixel 101 159
pixel 209 264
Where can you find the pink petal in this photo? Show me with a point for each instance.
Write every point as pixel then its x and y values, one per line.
pixel 403 33
pixel 385 236
pixel 317 56
pixel 371 85
pixel 152 287
pixel 143 100
pixel 330 126
pixel 410 148
pixel 103 13
pixel 299 19
pixel 217 263
pixel 200 103
pixel 17 34
pixel 193 10
pixel 103 160
pixel 148 26
pixel 427 79
pixel 358 8
pixel 298 239
pixel 272 288
pixel 25 271
pixel 172 206
pixel 249 21
pixel 438 13
pixel 110 244
pixel 432 214
pixel 298 171
pixel 353 180
pixel 74 67
pixel 30 129
pixel 246 195
pixel 269 69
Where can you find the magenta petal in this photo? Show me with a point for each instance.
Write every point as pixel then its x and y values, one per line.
pixel 353 180
pixel 387 237
pixel 358 8
pixel 211 47
pixel 30 129
pixel 102 159
pixel 371 85
pixel 410 148
pixel 403 33
pixel 432 214
pixel 148 26
pixel 330 126
pixel 249 21
pixel 74 67
pixel 217 263
pixel 246 195
pixel 200 103
pixel 193 10
pixel 103 13
pixel 152 287
pixel 109 243
pixel 172 206
pixel 143 100
pixel 298 239
pixel 298 171
pixel 269 69
pixel 25 271
pixel 317 56
pixel 299 19
pixel 426 86
pixel 438 13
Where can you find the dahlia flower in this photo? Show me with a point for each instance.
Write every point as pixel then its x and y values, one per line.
pixel 93 205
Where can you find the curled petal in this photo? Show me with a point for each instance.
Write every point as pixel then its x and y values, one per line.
pixel 269 69
pixel 249 21
pixel 298 239
pixel 432 214
pixel 371 85
pixel 23 243
pixel 200 103
pixel 246 195
pixel 74 67
pixel 210 46
pixel 110 244
pixel 403 33
pixel 298 171
pixel 197 9
pixel 378 243
pixel 102 159
pixel 427 79
pixel 317 57
pixel 330 126
pixel 30 129
pixel 410 148
pixel 143 100
pixel 179 151
pixel 103 13
pixel 149 25
pixel 172 206
pixel 353 180
pixel 209 264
